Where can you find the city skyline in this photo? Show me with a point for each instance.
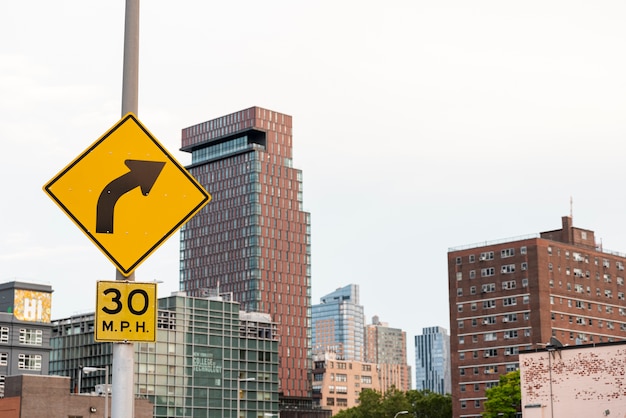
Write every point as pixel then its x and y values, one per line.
pixel 420 127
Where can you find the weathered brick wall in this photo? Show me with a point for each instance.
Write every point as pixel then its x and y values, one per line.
pixel 576 381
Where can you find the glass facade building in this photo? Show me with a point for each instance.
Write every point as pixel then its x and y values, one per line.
pixel 432 360
pixel 205 350
pixel 253 239
pixel 339 324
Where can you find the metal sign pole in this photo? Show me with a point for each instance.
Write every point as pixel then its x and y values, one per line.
pixel 123 373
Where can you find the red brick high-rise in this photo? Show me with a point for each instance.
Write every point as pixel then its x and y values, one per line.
pixel 253 239
pixel 516 294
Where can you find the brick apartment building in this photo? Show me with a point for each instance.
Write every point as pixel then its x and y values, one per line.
pixel 515 294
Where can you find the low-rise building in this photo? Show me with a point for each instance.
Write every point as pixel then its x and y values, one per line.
pixel 24 329
pixel 49 397
pixel 338 383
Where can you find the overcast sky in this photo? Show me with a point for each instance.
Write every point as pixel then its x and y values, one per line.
pixel 418 125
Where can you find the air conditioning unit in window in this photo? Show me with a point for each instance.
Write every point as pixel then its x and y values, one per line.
pixel 505 319
pixel 482 258
pixel 485 322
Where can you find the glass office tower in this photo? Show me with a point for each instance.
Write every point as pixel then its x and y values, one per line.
pixel 339 324
pixel 253 239
pixel 432 360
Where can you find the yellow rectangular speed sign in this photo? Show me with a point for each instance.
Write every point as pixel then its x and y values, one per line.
pixel 126 311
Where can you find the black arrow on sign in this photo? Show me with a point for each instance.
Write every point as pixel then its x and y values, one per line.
pixel 142 174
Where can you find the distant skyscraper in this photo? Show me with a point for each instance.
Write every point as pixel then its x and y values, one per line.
pixel 339 324
pixel 432 360
pixel 253 238
pixel 386 346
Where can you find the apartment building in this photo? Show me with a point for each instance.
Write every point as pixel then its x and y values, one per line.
pixel 515 294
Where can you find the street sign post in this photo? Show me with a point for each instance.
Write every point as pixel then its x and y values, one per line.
pixel 127 193
pixel 126 311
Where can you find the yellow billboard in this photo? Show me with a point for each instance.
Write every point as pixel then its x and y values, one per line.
pixel 32 306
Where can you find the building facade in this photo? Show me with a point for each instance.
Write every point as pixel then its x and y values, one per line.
pixel 24 329
pixel 574 381
pixel 338 324
pixel 206 352
pixel 338 383
pixel 516 294
pixel 253 239
pixel 432 360
pixel 49 397
pixel 386 347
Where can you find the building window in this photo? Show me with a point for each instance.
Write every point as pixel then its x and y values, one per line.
pixel 489 287
pixel 486 256
pixel 509 301
pixel 459 291
pixel 491 336
pixel 488 304
pixel 473 290
pixel 472 258
pixel 486 272
pixel 459 275
pixel 4 334
pixel 463 404
pixel 491 352
pixel 462 388
pixel 509 252
pixel 4 357
pixel 522 250
pixel 472 274
pixel 29 362
pixel 524 282
pixel 507 268
pixel 458 261
pixel 31 336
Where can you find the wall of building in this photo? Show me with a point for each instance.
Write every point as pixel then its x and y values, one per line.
pixel 337 384
pixel 574 381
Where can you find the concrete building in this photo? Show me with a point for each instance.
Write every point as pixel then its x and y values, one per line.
pixel 432 360
pixel 206 350
pixel 24 329
pixel 253 239
pixel 339 324
pixel 49 397
pixel 386 347
pixel 338 383
pixel 515 294
pixel 574 381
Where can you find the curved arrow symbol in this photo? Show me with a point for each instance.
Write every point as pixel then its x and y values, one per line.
pixel 142 174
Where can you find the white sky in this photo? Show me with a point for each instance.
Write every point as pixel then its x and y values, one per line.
pixel 419 126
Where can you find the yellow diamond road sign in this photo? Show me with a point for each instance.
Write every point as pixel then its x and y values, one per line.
pixel 127 193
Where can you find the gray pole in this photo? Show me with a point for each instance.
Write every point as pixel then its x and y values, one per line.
pixel 123 373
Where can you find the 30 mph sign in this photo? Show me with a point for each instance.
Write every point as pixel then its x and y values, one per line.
pixel 126 311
